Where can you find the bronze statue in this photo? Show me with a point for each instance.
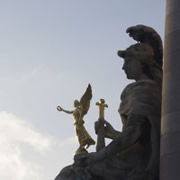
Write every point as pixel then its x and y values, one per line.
pixel 81 109
pixel 133 153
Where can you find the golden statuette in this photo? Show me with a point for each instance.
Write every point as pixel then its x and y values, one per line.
pixel 81 109
pixel 102 107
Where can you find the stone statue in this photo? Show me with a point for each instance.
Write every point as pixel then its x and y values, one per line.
pixel 133 153
pixel 81 109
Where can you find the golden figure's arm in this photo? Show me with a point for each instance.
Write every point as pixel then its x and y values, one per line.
pixel 59 108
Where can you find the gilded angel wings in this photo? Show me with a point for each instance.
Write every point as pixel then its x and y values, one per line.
pixel 85 102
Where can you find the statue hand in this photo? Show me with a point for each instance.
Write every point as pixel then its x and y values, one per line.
pixel 109 131
pixel 59 108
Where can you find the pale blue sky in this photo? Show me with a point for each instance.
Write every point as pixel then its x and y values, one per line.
pixel 49 51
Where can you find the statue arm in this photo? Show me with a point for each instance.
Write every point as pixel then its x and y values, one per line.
pixel 114 135
pixel 109 131
pixel 59 108
pixel 124 141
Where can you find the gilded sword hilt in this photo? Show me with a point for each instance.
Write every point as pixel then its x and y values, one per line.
pixel 102 107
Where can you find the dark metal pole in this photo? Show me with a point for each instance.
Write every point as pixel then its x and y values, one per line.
pixel 170 125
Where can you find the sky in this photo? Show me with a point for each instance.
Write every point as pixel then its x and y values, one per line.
pixel 50 50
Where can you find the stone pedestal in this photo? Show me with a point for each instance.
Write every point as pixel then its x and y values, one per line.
pixel 170 124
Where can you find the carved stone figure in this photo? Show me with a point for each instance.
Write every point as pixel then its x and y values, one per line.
pixel 133 153
pixel 81 109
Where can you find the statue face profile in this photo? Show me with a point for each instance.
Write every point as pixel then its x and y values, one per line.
pixel 135 57
pixel 132 67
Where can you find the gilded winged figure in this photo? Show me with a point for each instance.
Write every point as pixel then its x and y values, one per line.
pixel 81 109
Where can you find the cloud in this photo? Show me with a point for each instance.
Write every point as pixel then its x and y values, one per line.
pixel 26 154
pixel 16 130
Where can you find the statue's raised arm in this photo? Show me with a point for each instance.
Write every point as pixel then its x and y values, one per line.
pixel 59 108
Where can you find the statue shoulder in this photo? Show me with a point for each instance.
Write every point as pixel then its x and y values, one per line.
pixel 148 86
pixel 128 88
pixel 143 86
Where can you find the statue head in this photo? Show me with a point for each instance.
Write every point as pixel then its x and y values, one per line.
pixel 76 103
pixel 138 58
